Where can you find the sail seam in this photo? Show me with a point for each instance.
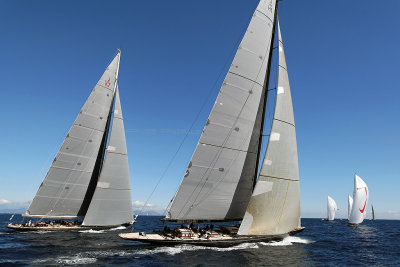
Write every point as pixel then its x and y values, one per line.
pixel 104 87
pixel 281 178
pixel 62 198
pixel 284 202
pixel 284 122
pixel 245 78
pixel 72 154
pixel 235 149
pixel 57 182
pixel 123 154
pixel 264 15
pixel 69 169
pixel 283 67
pixel 80 125
pixel 120 189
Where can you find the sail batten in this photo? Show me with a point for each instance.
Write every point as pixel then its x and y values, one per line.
pixel 229 144
pixel 63 190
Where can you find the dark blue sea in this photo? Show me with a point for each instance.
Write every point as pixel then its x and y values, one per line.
pixel 374 243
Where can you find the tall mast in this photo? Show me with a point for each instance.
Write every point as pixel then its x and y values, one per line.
pixel 264 106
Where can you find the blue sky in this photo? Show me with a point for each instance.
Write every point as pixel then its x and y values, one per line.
pixel 343 62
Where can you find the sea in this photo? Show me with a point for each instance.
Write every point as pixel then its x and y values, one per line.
pixel 322 243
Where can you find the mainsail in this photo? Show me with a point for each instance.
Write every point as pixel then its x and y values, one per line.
pixel 349 207
pixel 221 173
pixel 112 201
pixel 65 191
pixel 331 209
pixel 360 197
pixel 274 207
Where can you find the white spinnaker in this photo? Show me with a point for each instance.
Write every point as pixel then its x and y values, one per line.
pixel 360 201
pixel 112 200
pixel 63 190
pixel 274 207
pixel 349 207
pixel 219 178
pixel 331 208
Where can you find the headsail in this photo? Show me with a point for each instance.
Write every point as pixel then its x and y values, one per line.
pixel 360 197
pixel 220 176
pixel 112 201
pixel 332 208
pixel 274 207
pixel 350 206
pixel 63 190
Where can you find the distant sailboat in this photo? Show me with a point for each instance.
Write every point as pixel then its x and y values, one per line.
pixel 220 183
pixel 331 209
pixel 373 213
pixel 82 183
pixel 360 197
pixel 350 205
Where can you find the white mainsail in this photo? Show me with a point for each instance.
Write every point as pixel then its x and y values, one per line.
pixel 360 201
pixel 66 190
pixel 220 175
pixel 274 207
pixel 112 200
pixel 331 209
pixel 349 207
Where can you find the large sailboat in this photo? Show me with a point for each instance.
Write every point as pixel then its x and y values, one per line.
pixel 360 201
pixel 222 181
pixel 88 180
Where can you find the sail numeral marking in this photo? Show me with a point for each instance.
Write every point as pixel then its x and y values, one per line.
pixel 107 83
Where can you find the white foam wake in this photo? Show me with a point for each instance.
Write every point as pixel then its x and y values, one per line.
pixel 76 260
pixel 287 241
pixel 91 231
pixel 183 248
pixel 118 228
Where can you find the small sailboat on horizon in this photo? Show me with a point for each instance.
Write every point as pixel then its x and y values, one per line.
pixel 331 209
pixel 88 181
pixel 360 201
pixel 349 207
pixel 372 213
pixel 223 181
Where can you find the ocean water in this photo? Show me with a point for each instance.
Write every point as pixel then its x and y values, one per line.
pixel 374 243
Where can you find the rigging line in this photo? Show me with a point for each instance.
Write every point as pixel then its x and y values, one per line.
pixel 198 114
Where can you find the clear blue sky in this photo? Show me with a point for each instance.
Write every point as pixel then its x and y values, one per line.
pixel 343 59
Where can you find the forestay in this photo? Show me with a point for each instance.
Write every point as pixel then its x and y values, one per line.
pixel 112 200
pixel 219 178
pixel 274 207
pixel 63 190
pixel 360 201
